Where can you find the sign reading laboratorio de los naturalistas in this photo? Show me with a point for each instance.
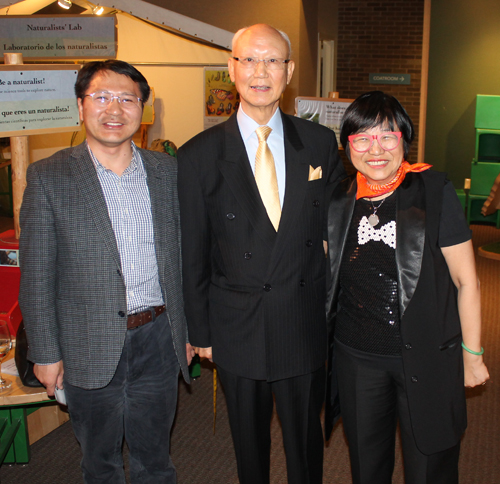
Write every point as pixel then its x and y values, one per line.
pixel 41 37
pixel 37 99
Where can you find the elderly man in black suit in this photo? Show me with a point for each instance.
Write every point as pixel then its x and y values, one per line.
pixel 101 289
pixel 252 196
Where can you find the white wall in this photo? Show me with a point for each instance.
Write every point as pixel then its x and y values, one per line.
pixel 179 104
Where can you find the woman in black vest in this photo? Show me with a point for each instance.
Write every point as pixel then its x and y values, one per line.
pixel 404 304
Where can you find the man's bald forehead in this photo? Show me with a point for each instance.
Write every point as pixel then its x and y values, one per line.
pixel 263 29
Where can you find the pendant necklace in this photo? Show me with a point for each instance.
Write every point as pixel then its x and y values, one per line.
pixel 373 218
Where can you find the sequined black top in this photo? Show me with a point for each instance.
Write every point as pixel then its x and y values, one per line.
pixel 368 317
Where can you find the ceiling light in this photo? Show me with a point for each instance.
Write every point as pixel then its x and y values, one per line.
pixel 65 4
pixel 98 10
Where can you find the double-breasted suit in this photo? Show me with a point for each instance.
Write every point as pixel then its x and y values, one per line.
pixel 256 296
pixel 73 295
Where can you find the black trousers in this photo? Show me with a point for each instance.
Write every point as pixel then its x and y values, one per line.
pixel 372 398
pixel 298 404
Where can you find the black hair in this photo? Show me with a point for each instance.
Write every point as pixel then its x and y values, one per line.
pixel 88 71
pixel 372 109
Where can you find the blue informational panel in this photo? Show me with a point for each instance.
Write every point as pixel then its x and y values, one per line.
pixel 40 37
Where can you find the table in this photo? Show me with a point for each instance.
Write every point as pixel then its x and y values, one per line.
pixel 26 415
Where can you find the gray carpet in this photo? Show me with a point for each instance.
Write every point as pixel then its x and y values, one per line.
pixel 201 456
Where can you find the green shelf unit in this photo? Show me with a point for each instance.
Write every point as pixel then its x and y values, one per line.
pixel 487 145
pixel 483 176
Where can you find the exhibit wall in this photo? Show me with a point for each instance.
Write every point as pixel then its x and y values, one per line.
pixel 179 89
pixel 464 61
pixel 173 66
pixel 179 104
pixel 300 19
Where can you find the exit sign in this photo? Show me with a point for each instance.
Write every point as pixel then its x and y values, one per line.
pixel 389 78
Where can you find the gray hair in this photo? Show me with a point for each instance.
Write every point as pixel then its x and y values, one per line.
pixel 284 36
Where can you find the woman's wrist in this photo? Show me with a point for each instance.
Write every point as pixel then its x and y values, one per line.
pixel 472 351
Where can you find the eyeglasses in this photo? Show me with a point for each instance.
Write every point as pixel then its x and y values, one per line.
pixel 273 64
pixel 363 142
pixel 105 98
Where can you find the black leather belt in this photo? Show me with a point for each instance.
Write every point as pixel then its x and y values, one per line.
pixel 144 317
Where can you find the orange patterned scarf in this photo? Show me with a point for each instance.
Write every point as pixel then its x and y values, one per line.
pixel 366 190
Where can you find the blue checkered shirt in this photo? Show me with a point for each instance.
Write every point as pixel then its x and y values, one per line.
pixel 129 208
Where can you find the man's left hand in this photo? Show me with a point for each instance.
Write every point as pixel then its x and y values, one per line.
pixel 189 353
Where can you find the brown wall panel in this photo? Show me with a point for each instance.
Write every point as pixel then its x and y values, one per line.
pixel 381 37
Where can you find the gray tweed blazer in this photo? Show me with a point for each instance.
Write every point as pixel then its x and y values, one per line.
pixel 72 292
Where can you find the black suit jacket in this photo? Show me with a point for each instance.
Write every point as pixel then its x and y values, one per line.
pixel 256 295
pixel 429 320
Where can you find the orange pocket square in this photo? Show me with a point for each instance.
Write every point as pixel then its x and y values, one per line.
pixel 315 173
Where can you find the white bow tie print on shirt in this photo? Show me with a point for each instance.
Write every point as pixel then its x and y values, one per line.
pixel 386 233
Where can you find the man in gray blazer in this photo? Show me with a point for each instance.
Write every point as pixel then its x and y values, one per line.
pixel 101 281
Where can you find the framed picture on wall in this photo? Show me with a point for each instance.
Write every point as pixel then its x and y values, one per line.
pixel 221 98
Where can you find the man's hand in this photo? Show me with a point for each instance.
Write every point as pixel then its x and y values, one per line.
pixel 50 376
pixel 204 352
pixel 189 353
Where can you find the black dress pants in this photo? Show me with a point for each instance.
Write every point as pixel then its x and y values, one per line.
pixel 298 404
pixel 372 398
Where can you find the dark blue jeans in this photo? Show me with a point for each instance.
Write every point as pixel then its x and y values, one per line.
pixel 138 404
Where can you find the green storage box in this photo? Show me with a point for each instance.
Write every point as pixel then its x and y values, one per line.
pixel 487 111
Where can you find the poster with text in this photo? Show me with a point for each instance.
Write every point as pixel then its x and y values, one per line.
pixel 221 98
pixel 37 99
pixel 325 111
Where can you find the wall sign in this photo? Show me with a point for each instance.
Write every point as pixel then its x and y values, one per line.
pixel 37 99
pixel 40 37
pixel 323 110
pixel 389 78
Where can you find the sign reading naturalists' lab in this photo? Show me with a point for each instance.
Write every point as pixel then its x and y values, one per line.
pixel 37 99
pixel 390 78
pixel 41 37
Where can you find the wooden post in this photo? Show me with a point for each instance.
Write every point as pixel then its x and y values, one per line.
pixel 20 158
pixel 424 78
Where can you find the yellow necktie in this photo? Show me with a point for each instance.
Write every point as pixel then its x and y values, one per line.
pixel 265 176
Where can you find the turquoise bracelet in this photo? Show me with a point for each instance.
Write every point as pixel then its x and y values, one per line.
pixel 477 353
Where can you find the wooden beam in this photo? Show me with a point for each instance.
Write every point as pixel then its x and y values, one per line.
pixel 20 158
pixel 424 80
